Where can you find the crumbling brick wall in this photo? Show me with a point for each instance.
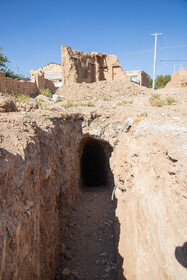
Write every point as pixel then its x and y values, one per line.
pixel 78 67
pixel 8 85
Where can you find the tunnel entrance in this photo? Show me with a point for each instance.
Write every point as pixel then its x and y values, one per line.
pixel 95 168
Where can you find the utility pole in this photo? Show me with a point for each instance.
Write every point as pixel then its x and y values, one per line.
pixel 154 66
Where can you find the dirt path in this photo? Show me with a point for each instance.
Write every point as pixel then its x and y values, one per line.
pixel 88 251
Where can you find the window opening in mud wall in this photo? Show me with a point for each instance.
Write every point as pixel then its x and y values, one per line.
pixel 94 163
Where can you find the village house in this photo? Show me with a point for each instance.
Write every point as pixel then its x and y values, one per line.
pixel 51 71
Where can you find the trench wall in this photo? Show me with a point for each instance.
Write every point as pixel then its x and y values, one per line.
pixel 150 207
pixel 39 180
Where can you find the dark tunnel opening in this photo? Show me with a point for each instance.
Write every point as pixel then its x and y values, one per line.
pixel 95 167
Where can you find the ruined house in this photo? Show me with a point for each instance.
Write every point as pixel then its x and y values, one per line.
pixel 78 67
pixel 51 71
pixel 139 77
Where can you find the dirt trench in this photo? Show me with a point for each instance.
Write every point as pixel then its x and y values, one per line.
pixel 56 213
pixel 40 192
pixel 89 248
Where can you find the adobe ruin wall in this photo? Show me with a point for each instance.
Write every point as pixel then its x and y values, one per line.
pixel 40 81
pixel 8 85
pixel 79 67
pixel 51 72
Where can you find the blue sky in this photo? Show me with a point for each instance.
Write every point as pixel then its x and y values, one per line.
pixel 32 32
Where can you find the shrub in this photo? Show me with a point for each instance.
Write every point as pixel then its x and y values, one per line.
pixel 156 101
pixel 46 91
pixel 170 100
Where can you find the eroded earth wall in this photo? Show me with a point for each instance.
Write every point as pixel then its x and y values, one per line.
pixel 78 67
pixel 149 164
pixel 39 179
pixel 8 85
pixel 149 175
pixel 38 81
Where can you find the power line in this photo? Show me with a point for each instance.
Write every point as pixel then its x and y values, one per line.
pixel 173 60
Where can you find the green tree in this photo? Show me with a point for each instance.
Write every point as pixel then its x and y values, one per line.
pixel 3 61
pixel 3 67
pixel 161 81
pixel 150 82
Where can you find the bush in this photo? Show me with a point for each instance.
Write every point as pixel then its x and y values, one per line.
pixel 170 100
pixel 156 101
pixel 46 91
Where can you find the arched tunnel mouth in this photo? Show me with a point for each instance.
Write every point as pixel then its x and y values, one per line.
pixel 94 163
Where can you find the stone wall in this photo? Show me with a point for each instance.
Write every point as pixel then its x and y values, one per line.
pixel 8 85
pixel 78 67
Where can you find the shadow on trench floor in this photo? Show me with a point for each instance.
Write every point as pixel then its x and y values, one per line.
pixel 89 249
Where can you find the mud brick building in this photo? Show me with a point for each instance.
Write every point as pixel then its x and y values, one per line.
pixel 78 67
pixel 138 77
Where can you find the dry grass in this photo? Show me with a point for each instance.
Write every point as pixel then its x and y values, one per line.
pixel 106 99
pixel 21 97
pixel 47 92
pixel 156 100
pixel 69 104
pixel 124 102
pixel 88 104
pixel 170 100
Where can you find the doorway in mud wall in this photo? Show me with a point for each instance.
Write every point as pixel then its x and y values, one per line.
pixel 94 163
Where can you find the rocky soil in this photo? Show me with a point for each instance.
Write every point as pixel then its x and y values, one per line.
pixel 102 90
pixel 50 225
pixel 88 249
